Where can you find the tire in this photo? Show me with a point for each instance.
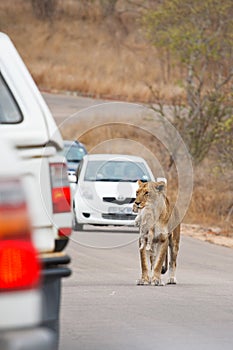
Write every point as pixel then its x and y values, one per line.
pixel 75 225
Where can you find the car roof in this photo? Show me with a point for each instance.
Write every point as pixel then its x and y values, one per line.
pixel 70 143
pixel 113 157
pixel 38 127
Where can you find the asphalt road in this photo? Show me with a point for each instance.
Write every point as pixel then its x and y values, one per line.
pixel 63 106
pixel 103 308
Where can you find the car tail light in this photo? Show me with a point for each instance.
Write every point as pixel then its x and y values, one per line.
pixel 19 265
pixel 60 188
pixel 64 231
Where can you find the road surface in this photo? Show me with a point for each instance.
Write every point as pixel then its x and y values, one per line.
pixel 102 308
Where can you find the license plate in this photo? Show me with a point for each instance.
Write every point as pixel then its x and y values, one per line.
pixel 116 210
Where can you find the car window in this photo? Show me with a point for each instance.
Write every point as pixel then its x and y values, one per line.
pixel 9 110
pixel 116 171
pixel 74 153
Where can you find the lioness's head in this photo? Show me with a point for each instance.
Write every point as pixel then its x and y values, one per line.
pixel 148 191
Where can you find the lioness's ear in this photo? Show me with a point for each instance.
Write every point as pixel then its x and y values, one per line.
pixel 160 188
pixel 140 183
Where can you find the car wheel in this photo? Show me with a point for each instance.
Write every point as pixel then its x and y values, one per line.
pixel 76 226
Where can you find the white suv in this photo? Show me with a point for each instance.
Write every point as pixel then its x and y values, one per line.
pixel 21 298
pixel 29 125
pixel 26 122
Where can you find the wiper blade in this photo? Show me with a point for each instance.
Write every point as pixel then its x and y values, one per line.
pixel 108 180
pixel 128 180
pixel 116 180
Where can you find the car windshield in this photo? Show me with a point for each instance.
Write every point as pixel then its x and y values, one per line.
pixel 101 170
pixel 74 153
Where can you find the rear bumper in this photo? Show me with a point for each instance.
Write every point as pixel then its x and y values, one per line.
pixel 43 332
pixel 51 260
pixel 54 269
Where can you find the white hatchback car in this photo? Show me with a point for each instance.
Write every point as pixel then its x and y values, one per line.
pixel 106 189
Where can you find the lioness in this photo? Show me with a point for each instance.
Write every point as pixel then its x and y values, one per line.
pixel 163 226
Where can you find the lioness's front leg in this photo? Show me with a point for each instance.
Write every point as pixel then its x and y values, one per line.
pixel 162 247
pixel 145 279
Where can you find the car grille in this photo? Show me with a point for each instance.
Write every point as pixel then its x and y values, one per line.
pixel 119 216
pixel 114 200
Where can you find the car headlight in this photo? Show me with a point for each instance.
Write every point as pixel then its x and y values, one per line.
pixel 86 193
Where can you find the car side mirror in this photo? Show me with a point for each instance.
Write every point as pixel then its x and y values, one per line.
pixel 73 179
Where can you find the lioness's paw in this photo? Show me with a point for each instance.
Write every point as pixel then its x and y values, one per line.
pixel 172 280
pixel 157 283
pixel 143 282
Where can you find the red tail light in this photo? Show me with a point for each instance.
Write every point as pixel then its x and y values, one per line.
pixel 19 266
pixel 64 231
pixel 60 188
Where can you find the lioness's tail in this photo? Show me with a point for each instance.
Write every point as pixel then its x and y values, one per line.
pixel 165 264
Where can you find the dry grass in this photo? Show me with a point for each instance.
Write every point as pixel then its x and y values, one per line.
pixel 81 52
pixel 96 58
pixel 212 198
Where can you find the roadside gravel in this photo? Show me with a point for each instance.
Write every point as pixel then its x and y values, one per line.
pixel 208 234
